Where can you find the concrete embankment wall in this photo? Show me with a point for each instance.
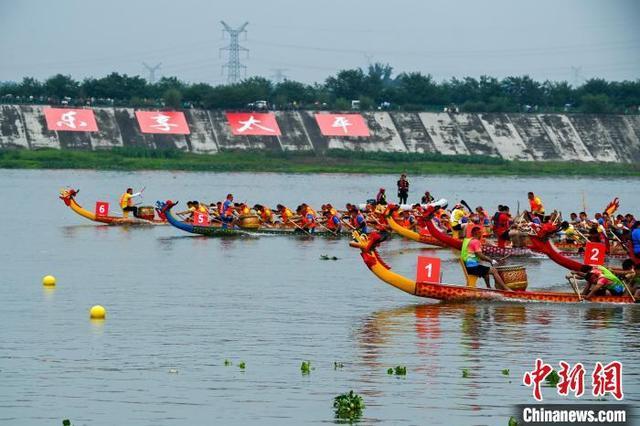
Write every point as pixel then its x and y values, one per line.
pixel 526 137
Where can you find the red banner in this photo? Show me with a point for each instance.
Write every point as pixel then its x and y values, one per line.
pixel 594 253
pixel 163 122
pixel 428 270
pixel 70 120
pixel 102 208
pixel 342 125
pixel 253 123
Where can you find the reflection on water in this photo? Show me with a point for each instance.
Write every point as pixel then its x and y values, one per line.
pixel 184 303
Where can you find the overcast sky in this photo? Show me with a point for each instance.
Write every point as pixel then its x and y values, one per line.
pixel 314 39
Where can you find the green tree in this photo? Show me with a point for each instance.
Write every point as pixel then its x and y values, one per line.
pixel 596 104
pixel 172 98
pixel 60 86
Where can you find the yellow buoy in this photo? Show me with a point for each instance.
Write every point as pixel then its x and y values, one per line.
pixel 49 281
pixel 98 312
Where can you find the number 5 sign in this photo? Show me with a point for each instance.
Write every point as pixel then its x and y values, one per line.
pixel 594 253
pixel 200 219
pixel 428 270
pixel 102 208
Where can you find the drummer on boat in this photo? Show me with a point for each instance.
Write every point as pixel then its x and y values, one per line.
pixel 471 254
pixel 126 202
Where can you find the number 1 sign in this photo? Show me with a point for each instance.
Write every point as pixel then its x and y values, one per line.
pixel 594 253
pixel 102 208
pixel 428 270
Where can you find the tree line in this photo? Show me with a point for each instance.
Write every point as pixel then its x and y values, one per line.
pixel 374 87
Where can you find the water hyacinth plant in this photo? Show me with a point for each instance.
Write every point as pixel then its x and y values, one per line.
pixel 305 367
pixel 348 406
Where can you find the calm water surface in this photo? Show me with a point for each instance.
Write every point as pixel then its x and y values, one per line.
pixel 179 305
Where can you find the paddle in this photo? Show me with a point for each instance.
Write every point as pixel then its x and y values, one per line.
pixel 464 203
pixel 574 285
pixel 300 227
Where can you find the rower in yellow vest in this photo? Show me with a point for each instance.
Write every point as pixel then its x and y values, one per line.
pixel 126 202
pixel 456 217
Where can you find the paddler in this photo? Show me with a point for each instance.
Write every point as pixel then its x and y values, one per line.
pixel 381 198
pixel 536 206
pixel 126 202
pixel 358 222
pixel 265 213
pixel 471 254
pixel 501 225
pixel 333 221
pixel 456 220
pixel 285 213
pixel 600 280
pixel 309 218
pixel 426 198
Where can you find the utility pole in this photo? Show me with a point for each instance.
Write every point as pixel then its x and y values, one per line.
pixel 152 71
pixel 278 75
pixel 577 75
pixel 233 65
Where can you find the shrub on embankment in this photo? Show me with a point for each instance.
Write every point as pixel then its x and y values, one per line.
pixel 333 161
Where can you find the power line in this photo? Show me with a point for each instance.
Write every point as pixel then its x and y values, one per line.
pixel 278 75
pixel 233 65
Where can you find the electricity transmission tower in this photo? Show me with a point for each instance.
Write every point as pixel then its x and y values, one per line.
pixel 152 71
pixel 278 75
pixel 577 75
pixel 233 65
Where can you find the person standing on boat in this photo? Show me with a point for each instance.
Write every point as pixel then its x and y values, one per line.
pixel 536 206
pixel 635 238
pixel 471 254
pixel 227 214
pixel 403 189
pixel 126 202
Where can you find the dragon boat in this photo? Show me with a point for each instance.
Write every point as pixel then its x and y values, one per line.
pixel 461 293
pixel 454 243
pixel 148 215
pixel 248 224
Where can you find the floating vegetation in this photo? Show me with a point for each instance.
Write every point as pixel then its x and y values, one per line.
pixel 465 372
pixel 66 422
pixel 513 421
pixel 242 365
pixel 337 365
pixel 505 372
pixel 227 363
pixel 348 406
pixel 399 370
pixel 552 379
pixel 327 257
pixel 305 367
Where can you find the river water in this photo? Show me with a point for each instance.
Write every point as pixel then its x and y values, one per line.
pixel 179 305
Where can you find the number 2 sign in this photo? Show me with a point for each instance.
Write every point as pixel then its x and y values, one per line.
pixel 594 253
pixel 200 219
pixel 102 208
pixel 428 270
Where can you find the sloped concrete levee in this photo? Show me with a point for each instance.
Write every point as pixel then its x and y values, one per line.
pixel 444 133
pixel 12 131
pixel 412 132
pixel 565 138
pixel 516 136
pixel 475 135
pixel 533 135
pixel 505 137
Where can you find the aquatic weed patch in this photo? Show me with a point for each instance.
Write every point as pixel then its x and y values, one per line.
pixel 348 406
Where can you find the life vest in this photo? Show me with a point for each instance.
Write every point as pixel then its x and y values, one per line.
pixel 202 209
pixel 536 205
pixel 614 281
pixel 286 215
pixel 334 222
pixel 266 215
pixel 358 221
pixel 456 216
pixel 125 200
pixel 309 218
pixel 469 259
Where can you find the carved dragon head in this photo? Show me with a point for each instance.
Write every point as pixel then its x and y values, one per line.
pixel 67 194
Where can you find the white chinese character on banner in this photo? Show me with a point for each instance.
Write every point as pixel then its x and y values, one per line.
pixel 69 119
pixel 342 122
pixel 250 122
pixel 162 122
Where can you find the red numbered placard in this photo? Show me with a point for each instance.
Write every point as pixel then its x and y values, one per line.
pixel 200 219
pixel 594 253
pixel 428 270
pixel 102 208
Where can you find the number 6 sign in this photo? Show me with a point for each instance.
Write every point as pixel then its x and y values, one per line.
pixel 594 253
pixel 428 270
pixel 200 219
pixel 102 208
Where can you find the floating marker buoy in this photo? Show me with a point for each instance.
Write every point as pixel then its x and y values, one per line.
pixel 98 312
pixel 49 281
